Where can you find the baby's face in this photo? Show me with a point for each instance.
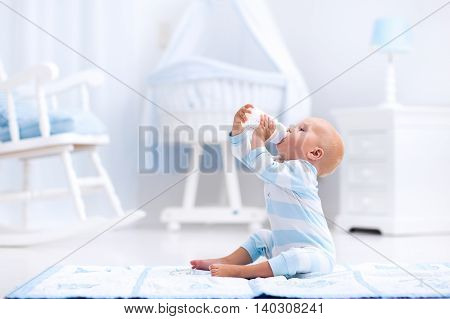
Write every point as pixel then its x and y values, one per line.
pixel 300 140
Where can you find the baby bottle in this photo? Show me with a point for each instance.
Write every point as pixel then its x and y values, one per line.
pixel 253 122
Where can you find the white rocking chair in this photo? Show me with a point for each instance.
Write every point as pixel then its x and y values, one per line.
pixel 61 145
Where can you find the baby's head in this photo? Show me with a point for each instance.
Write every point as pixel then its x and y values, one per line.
pixel 316 141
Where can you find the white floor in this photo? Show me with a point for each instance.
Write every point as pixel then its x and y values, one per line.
pixel 134 246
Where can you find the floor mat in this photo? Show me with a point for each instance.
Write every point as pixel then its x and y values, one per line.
pixel 369 280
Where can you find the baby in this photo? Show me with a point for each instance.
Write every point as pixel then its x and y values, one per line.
pixel 300 241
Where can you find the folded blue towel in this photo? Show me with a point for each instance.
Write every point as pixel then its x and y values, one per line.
pixel 61 121
pixel 370 280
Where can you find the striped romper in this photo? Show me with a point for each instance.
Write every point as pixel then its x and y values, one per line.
pixel 299 241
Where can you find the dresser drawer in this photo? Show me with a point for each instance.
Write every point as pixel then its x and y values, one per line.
pixel 367 145
pixel 367 203
pixel 367 173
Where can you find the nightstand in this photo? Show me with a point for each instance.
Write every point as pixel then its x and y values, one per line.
pixel 395 176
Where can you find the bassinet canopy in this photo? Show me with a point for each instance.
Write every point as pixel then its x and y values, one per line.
pixel 224 54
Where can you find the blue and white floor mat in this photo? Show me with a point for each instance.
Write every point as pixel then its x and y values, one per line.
pixel 369 280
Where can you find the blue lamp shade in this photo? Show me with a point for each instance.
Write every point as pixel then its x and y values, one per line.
pixel 386 29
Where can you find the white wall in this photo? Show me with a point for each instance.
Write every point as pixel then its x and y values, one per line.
pixel 325 37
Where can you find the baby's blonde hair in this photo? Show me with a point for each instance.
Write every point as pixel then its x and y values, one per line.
pixel 333 146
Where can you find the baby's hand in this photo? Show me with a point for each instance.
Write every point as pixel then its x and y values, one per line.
pixel 265 128
pixel 240 118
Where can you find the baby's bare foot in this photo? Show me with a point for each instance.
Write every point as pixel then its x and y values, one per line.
pixel 222 270
pixel 203 264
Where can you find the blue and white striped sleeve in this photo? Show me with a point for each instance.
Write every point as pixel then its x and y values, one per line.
pixel 241 146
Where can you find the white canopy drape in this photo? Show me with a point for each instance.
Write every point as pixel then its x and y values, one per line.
pixel 241 33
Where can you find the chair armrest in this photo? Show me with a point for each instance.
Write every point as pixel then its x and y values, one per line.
pixel 90 78
pixel 41 73
pixel 81 80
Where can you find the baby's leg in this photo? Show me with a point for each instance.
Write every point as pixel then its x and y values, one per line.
pixel 239 257
pixel 301 260
pixel 259 244
pixel 262 270
pixel 288 263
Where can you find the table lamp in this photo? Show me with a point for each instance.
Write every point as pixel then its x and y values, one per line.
pixel 384 31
